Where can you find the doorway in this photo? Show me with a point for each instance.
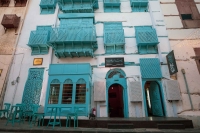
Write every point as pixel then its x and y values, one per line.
pixel 153 99
pixel 115 101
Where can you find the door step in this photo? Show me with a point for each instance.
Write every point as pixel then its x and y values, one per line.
pixel 120 126
pixel 171 126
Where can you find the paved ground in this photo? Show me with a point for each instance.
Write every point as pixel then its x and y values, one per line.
pixel 25 128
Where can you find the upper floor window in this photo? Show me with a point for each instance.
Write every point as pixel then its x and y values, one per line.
pixel 139 5
pixel 114 40
pixel 188 13
pixel 78 6
pixel 112 5
pixel 146 39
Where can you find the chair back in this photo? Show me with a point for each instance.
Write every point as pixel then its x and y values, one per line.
pixel 7 106
pixel 35 108
pixel 21 106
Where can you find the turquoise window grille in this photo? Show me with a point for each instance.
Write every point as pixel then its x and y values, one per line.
pixel 114 40
pixel 47 6
pixel 112 5
pixel 78 6
pixel 69 87
pixel 146 39
pixel 38 40
pixel 139 5
pixel 75 37
pixel 150 68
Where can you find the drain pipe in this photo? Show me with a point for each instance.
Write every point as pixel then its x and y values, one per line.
pixel 187 88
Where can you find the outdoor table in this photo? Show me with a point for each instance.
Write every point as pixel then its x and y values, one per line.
pixel 55 111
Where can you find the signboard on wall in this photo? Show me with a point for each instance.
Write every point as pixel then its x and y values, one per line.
pixel 114 62
pixel 171 63
pixel 37 61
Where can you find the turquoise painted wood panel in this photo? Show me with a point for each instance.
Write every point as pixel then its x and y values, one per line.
pixel 38 40
pixel 76 37
pixel 114 40
pixel 156 101
pixel 47 6
pixel 146 39
pixel 112 5
pixel 78 6
pixel 33 87
pixel 150 68
pixel 77 79
pixel 117 76
pixel 139 5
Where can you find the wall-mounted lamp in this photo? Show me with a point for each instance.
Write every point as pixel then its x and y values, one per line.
pixel 1 70
pixel 37 61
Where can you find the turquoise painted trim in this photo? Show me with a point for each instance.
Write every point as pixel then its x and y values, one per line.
pixel 139 5
pixel 38 40
pixel 78 6
pixel 112 6
pixel 121 81
pixel 158 81
pixel 76 15
pixel 47 6
pixel 73 74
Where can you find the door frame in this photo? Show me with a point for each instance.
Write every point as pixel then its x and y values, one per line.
pixel 162 96
pixel 121 81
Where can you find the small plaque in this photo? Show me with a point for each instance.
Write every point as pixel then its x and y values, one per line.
pixel 114 62
pixel 37 61
pixel 171 61
pixel 1 70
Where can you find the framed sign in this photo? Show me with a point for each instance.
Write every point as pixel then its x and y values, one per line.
pixel 37 61
pixel 1 70
pixel 114 62
pixel 171 63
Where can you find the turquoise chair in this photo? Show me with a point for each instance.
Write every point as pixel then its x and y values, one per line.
pixel 73 115
pixel 6 109
pixel 54 112
pixel 16 110
pixel 36 115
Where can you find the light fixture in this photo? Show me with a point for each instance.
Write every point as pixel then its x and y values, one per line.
pixel 37 61
pixel 1 70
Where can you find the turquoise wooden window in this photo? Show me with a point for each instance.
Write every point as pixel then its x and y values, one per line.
pixel 80 91
pixel 112 5
pixel 75 37
pixel 146 39
pixel 47 6
pixel 114 40
pixel 139 5
pixel 150 68
pixel 78 6
pixel 54 91
pixel 69 87
pixel 67 93
pixel 38 40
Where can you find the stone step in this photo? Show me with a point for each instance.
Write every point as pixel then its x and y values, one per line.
pixel 120 126
pixel 170 126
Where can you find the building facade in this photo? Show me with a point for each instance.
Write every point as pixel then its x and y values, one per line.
pixel 108 55
pixel 12 13
pixel 182 22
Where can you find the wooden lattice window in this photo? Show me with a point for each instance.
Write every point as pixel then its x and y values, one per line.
pixel 4 3
pixel 188 13
pixel 67 92
pixel 20 3
pixel 80 91
pixel 54 92
pixel 197 58
pixel 10 21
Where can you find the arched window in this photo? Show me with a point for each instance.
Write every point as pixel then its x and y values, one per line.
pixel 54 91
pixel 80 91
pixel 67 92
